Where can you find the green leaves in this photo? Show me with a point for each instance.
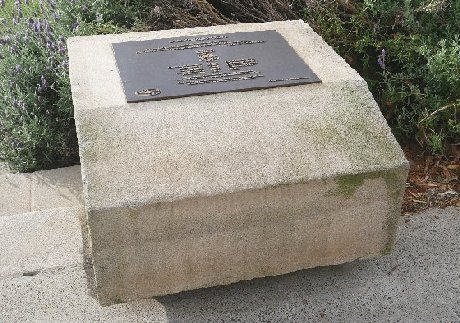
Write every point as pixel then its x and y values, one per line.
pixel 37 129
pixel 422 61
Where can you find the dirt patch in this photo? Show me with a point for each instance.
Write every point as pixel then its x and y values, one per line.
pixel 432 182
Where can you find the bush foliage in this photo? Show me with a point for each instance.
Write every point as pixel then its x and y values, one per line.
pixel 407 50
pixel 37 129
pixel 409 53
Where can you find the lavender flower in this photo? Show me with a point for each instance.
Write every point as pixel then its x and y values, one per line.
pixel 18 8
pixel 5 40
pixel 43 86
pixel 2 3
pixel 18 68
pixel 75 26
pixel 381 59
pixel 52 4
pixel 42 7
pixel 37 26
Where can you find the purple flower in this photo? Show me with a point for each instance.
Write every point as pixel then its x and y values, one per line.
pixel 37 26
pixel 14 49
pixel 18 68
pixel 52 4
pixel 381 59
pixel 18 8
pixel 5 40
pixel 43 83
pixel 75 26
pixel 2 3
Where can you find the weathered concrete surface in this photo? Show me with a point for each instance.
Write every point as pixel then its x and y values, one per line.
pixel 4 169
pixel 41 240
pixel 60 295
pixel 14 194
pixel 60 187
pixel 42 190
pixel 208 190
pixel 418 282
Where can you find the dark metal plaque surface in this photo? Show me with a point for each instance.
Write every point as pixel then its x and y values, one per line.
pixel 196 65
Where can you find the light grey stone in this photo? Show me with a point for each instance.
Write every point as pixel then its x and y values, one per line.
pixel 14 194
pixel 60 187
pixel 4 168
pixel 418 282
pixel 207 190
pixel 36 241
pixel 42 190
pixel 60 295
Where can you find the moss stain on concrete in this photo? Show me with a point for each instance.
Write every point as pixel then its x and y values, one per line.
pixel 347 185
pixel 393 181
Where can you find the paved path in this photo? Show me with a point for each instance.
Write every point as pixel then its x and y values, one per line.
pixel 418 282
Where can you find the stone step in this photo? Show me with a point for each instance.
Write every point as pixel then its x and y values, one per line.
pixel 42 190
pixel 37 241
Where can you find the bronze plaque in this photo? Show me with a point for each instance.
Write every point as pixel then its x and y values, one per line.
pixel 176 67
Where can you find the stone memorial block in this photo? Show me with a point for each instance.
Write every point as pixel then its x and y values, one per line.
pixel 220 154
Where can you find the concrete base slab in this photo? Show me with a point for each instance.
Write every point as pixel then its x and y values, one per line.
pixel 207 190
pixel 36 241
pixel 418 282
pixel 42 190
pixel 61 296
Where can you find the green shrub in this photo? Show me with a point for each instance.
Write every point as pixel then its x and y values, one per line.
pixel 409 53
pixel 407 50
pixel 37 129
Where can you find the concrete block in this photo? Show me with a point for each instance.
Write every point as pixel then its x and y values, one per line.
pixel 209 190
pixel 41 240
